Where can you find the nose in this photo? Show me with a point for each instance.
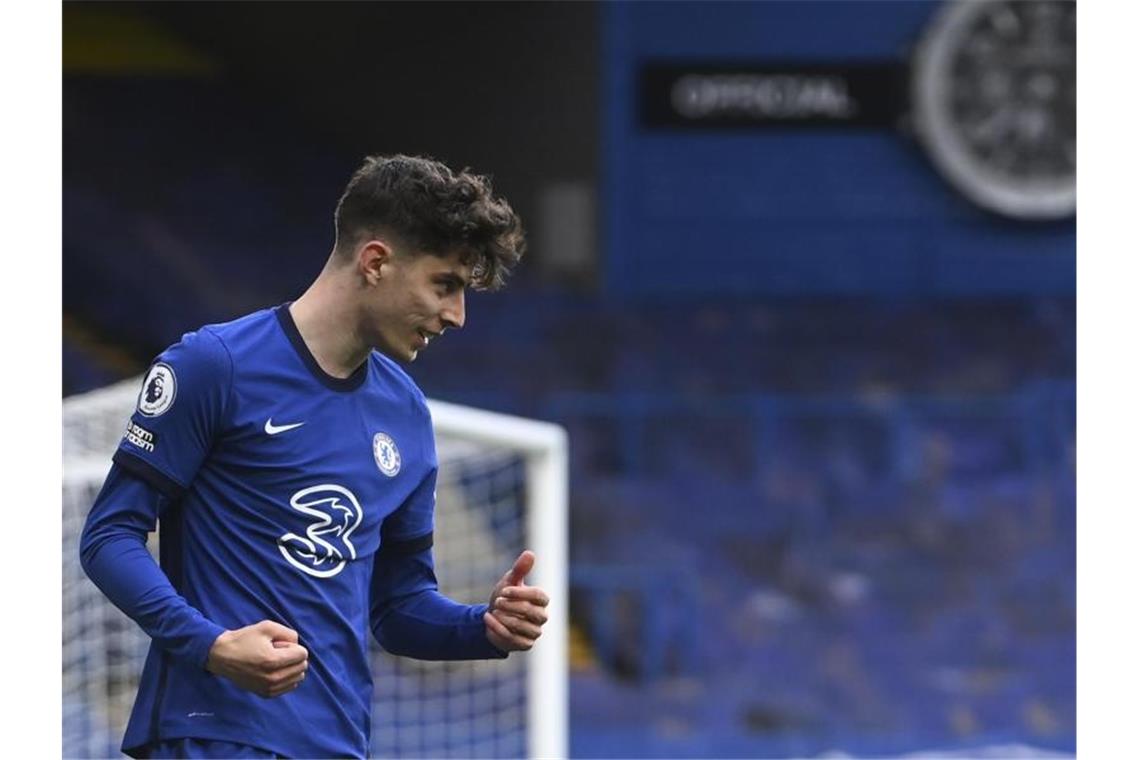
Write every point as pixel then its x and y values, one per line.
pixel 454 312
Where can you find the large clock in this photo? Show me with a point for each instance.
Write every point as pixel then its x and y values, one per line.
pixel 994 95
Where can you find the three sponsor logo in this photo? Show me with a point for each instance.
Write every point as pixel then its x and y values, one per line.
pixel 325 548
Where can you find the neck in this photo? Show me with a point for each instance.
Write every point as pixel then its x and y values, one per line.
pixel 326 318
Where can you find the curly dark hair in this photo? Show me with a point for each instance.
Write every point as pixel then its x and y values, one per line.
pixel 430 208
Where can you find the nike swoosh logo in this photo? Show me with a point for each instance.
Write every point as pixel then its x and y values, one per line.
pixel 272 429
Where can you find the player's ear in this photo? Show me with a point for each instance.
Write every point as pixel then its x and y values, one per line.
pixel 374 259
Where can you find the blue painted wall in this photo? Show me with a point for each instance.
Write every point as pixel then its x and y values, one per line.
pixel 782 212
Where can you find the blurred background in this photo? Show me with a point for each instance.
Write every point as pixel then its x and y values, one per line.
pixel 801 286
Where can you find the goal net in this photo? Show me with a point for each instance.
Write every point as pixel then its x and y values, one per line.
pixel 502 487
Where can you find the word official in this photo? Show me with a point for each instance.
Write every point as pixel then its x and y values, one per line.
pixel 776 96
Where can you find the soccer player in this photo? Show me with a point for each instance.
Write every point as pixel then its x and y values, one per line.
pixel 292 465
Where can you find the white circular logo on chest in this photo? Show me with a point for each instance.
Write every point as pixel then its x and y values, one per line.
pixel 158 391
pixel 386 453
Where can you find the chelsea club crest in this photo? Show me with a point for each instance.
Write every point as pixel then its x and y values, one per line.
pixel 386 454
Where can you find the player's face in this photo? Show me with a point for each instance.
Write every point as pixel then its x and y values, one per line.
pixel 419 297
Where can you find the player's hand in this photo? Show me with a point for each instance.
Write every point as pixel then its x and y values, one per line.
pixel 264 658
pixel 517 611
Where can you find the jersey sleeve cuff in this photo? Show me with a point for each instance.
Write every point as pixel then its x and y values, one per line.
pixel 203 642
pixel 485 650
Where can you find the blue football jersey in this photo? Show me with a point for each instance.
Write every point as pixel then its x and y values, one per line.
pixel 284 483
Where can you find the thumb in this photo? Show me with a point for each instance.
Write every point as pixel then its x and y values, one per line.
pixel 522 566
pixel 277 632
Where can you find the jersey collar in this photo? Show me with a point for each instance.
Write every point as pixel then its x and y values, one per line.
pixel 350 383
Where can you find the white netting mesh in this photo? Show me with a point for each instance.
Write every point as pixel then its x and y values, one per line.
pixel 461 709
pixel 420 709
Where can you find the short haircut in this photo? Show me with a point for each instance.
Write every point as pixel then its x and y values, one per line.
pixel 429 208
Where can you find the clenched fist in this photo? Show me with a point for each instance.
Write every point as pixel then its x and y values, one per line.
pixel 264 658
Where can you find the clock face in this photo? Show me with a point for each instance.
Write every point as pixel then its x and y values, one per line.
pixel 994 93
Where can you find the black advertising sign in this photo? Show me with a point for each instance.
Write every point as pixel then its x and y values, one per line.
pixel 765 94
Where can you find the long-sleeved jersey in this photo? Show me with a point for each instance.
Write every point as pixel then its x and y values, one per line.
pixel 282 493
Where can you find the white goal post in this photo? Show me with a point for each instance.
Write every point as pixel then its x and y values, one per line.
pixel 545 450
pixel 503 486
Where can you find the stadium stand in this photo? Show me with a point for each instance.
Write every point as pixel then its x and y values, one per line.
pixel 798 525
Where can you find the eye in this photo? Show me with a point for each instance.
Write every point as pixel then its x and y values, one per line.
pixel 447 287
